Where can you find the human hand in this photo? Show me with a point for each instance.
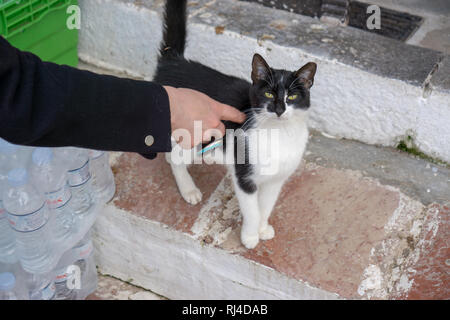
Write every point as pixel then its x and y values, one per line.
pixel 187 106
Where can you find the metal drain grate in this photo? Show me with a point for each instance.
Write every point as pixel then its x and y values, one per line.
pixel 394 24
pixel 337 9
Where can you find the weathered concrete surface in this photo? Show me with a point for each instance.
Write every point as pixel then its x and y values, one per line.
pixel 431 278
pixel 109 288
pixel 326 221
pixel 417 178
pixel 434 33
pixel 367 87
pixel 441 79
pixel 338 234
pixel 438 7
pixel 148 190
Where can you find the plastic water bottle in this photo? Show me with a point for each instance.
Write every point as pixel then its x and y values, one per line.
pixel 84 253
pixel 79 179
pixel 51 177
pixel 17 156
pixel 7 240
pixel 41 286
pixel 7 285
pixel 63 290
pixel 103 184
pixel 28 216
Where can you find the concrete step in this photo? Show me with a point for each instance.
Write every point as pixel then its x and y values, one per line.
pixel 355 221
pixel 434 33
pixel 340 233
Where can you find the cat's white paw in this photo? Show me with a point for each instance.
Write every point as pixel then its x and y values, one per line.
pixel 192 196
pixel 250 242
pixel 267 234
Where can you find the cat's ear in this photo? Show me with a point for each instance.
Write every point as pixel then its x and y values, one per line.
pixel 260 68
pixel 306 74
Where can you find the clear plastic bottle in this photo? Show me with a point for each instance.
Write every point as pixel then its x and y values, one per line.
pixel 18 156
pixel 28 216
pixel 51 177
pixel 63 291
pixel 41 286
pixel 7 240
pixel 79 179
pixel 84 253
pixel 103 184
pixel 7 285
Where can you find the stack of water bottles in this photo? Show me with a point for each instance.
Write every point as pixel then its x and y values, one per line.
pixel 49 201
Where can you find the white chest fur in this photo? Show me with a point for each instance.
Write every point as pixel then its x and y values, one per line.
pixel 277 146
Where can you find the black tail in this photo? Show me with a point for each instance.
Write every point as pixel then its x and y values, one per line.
pixel 174 37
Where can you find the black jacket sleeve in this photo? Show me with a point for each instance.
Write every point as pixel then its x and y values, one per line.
pixel 44 104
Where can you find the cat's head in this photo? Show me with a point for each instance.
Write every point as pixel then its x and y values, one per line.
pixel 280 93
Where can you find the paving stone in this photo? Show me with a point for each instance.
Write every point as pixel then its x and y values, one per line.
pixel 326 223
pixel 336 229
pixel 147 188
pixel 432 271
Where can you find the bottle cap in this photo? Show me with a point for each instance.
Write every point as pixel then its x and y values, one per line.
pixel 18 177
pixel 42 156
pixel 7 281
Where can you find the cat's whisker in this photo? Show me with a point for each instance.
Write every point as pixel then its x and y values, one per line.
pixel 263 118
pixel 249 120
pixel 271 76
pixel 295 80
pixel 269 83
pixel 297 86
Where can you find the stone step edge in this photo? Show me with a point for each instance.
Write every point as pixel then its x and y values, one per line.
pixel 177 266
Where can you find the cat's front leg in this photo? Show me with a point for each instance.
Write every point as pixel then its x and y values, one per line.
pixel 268 193
pixel 248 203
pixel 189 191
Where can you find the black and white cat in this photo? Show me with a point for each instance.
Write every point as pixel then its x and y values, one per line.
pixel 276 100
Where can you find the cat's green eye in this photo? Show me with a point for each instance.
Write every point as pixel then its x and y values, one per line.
pixel 293 97
pixel 269 95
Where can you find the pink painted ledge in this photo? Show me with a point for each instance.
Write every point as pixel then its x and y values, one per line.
pixel 327 222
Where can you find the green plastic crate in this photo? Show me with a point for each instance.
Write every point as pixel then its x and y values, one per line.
pixel 39 26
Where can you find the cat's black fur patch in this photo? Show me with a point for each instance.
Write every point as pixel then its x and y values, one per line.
pixel 176 71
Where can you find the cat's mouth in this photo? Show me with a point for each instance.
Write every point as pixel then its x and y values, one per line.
pixel 277 117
